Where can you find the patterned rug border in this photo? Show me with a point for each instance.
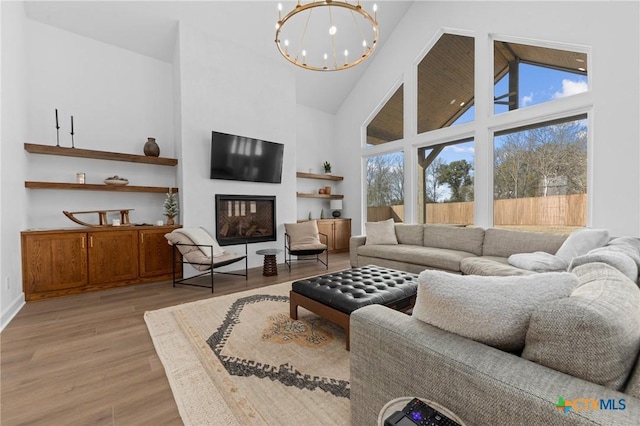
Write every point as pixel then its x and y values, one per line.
pixel 198 399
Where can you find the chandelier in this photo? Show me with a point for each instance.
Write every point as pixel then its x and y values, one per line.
pixel 327 35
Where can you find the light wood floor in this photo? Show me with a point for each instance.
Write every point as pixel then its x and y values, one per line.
pixel 88 359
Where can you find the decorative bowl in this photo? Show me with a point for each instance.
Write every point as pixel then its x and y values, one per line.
pixel 117 182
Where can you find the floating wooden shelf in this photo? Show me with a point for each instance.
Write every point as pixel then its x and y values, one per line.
pixel 317 176
pixel 98 155
pixel 325 196
pixel 96 187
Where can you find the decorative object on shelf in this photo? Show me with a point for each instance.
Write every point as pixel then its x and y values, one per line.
pixel 170 207
pixel 57 129
pixel 321 191
pixel 358 37
pixel 327 190
pixel 80 177
pixel 321 213
pixel 336 206
pixel 116 180
pixel 327 167
pixel 151 148
pixel 309 215
pixel 102 217
pixel 72 133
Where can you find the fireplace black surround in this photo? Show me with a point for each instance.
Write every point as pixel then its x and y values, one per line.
pixel 240 218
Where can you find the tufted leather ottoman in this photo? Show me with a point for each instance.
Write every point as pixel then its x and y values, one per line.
pixel 334 296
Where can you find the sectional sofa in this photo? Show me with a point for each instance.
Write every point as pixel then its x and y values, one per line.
pixel 499 344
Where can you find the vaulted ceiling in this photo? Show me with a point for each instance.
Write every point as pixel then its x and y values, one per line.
pixel 149 28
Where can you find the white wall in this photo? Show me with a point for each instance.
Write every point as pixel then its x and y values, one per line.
pixel 118 98
pixel 225 88
pixel 316 144
pixel 614 194
pixel 12 157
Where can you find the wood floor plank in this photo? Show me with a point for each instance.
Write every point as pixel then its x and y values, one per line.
pixel 88 359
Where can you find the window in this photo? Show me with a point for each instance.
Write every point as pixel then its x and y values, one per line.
pixel 387 125
pixel 385 187
pixel 445 183
pixel 529 75
pixel 446 83
pixel 540 177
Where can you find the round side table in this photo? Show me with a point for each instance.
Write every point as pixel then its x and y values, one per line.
pixel 270 267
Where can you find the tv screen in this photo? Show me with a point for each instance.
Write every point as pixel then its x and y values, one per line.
pixel 240 158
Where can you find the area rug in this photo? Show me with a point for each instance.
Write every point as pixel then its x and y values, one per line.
pixel 240 360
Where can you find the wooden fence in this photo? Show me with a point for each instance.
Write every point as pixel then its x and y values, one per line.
pixel 554 210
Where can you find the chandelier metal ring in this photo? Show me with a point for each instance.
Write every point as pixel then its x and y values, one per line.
pixel 299 57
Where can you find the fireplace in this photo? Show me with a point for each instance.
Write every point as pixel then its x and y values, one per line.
pixel 241 218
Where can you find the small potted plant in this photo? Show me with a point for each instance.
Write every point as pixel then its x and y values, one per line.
pixel 170 207
pixel 327 167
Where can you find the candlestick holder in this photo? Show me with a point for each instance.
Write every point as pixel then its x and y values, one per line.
pixel 57 135
pixel 72 144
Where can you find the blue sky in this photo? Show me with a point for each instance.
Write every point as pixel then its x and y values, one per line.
pixel 537 85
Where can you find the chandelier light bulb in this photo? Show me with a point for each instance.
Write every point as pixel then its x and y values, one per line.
pixel 286 46
pixel 332 30
pixel 279 11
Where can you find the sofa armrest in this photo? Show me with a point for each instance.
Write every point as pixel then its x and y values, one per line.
pixel 394 355
pixel 354 243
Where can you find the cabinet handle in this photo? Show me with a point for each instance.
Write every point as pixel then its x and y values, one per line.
pixel 82 242
pixel 141 238
pixel 91 241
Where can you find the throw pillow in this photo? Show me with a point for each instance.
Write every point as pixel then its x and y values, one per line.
pixel 581 242
pixel 539 261
pixel 201 237
pixel 380 232
pixel 595 333
pixel 612 256
pixel 303 234
pixel 491 310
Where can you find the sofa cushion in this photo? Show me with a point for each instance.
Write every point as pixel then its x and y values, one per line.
pixel 505 242
pixel 460 238
pixel 490 266
pixel 539 261
pixel 595 333
pixel 611 256
pixel 382 232
pixel 581 242
pixel 428 257
pixel 410 234
pixel 491 310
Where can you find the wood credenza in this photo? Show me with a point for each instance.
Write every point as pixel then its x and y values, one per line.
pixel 60 262
pixel 338 231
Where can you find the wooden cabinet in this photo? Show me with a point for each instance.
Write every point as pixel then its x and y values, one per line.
pixel 154 257
pixel 54 262
pixel 338 231
pixel 113 256
pixel 61 262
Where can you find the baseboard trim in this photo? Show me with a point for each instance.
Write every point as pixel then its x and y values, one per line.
pixel 12 311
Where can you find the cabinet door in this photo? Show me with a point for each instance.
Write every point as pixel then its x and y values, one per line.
pixel 342 234
pixel 113 256
pixel 155 253
pixel 326 227
pixel 53 263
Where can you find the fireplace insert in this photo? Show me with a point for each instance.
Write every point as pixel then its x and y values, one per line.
pixel 241 218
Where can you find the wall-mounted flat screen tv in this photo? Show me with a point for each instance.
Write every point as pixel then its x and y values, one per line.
pixel 240 158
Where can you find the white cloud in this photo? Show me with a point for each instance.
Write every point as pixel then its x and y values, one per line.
pixel 570 87
pixel 526 100
pixel 463 149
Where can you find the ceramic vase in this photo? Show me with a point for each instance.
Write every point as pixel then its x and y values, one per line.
pixel 151 148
